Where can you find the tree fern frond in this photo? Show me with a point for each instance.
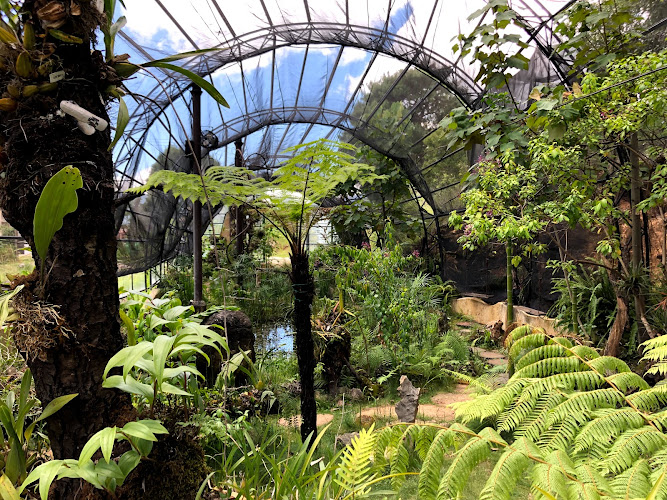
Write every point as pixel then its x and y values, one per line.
pixel 632 444
pixel 560 434
pixel 491 405
pixel 539 353
pixel 563 341
pixel 425 437
pixel 550 477
pixel 651 399
pixel 526 343
pixel 400 457
pixel 628 382
pixel 592 480
pixel 580 402
pixel 634 482
pixel 585 352
pixel 580 381
pixel 512 418
pixel 658 369
pixel 607 365
pixel 551 366
pixel 509 469
pixel 605 427
pixel 354 470
pixel 521 332
pixel 431 471
pixel 475 451
pixel 536 423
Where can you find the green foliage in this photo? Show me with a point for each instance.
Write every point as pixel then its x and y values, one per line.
pixel 580 425
pixel 17 428
pixel 166 341
pixel 56 201
pixel 107 473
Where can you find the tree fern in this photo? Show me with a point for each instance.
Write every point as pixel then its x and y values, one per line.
pixel 354 470
pixel 577 424
pixel 633 483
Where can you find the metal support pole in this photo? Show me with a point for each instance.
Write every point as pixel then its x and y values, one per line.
pixel 240 236
pixel 195 142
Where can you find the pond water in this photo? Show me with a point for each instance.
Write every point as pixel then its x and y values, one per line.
pixel 274 337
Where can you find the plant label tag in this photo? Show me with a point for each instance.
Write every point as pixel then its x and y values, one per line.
pixel 56 76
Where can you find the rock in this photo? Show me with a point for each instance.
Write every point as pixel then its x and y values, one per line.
pixel 346 439
pixel 356 394
pixel 406 409
pixel 364 421
pixel 240 337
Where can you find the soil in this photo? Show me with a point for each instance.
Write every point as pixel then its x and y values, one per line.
pixel 438 411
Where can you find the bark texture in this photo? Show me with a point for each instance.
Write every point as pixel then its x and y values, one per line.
pixel 304 290
pixel 81 262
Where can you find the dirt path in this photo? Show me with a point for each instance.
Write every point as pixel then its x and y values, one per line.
pixel 436 412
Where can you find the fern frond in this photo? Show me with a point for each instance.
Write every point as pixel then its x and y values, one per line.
pixel 550 477
pixel 551 366
pixel 580 381
pixel 559 434
pixel 563 341
pixel 632 444
pixel 605 427
pixel 651 399
pixel 628 382
pixel 425 437
pixel 475 451
pixel 585 352
pixel 400 457
pixel 526 343
pixel 606 365
pixel 634 482
pixel 509 469
pixel 521 332
pixel 535 424
pixel 431 471
pixel 592 482
pixel 539 353
pixel 491 405
pixel 354 471
pixel 580 402
pixel 512 418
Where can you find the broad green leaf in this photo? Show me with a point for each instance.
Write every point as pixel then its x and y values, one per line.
pixel 174 313
pixel 46 473
pixel 56 201
pixel 198 80
pixel 128 461
pixel 139 430
pixel 122 120
pixel 129 326
pixel 91 446
pixel 107 440
pixel 134 355
pixel 7 490
pixel 161 349
pixel 172 389
pixel 154 426
pixel 130 385
pixel 55 405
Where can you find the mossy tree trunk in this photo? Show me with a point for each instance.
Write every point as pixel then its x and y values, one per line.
pixel 81 264
pixel 304 291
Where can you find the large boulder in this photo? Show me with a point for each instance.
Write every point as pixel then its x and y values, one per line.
pixel 240 337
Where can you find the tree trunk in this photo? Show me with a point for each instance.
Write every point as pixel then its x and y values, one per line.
pixel 81 283
pixel 637 269
pixel 613 344
pixel 510 288
pixel 304 291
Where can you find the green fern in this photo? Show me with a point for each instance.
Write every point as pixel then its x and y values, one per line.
pixel 577 424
